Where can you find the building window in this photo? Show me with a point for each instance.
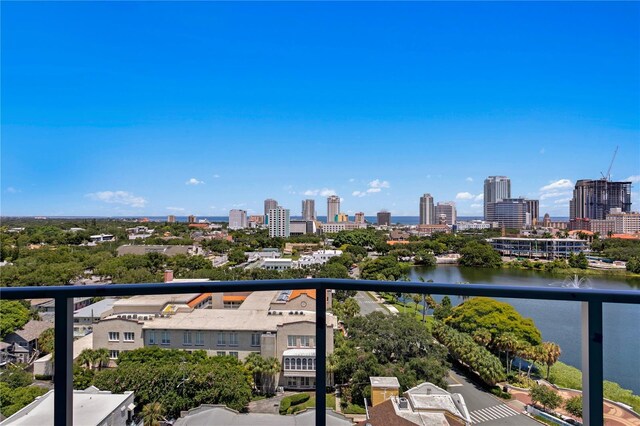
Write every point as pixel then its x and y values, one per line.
pixel 304 363
pixel 304 341
pixel 199 338
pixel 152 337
pixel 113 354
pixel 255 339
pixel 165 338
pixel 292 341
pixel 287 364
pixel 234 354
pixel 186 338
pixel 298 364
pixel 114 336
pixel 221 353
pixel 233 339
pixel 221 339
pixel 129 336
pixel 292 382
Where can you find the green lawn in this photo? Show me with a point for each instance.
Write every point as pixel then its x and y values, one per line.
pixel 311 402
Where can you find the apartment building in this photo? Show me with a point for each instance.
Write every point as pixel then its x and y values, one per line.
pixel 624 223
pixel 546 248
pixel 273 324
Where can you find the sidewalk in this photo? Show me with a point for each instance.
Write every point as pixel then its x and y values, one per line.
pixel 613 415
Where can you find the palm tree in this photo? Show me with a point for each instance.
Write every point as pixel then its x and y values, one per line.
pixel 271 367
pixel 416 299
pixel 482 336
pixel 507 342
pixel 551 353
pixel 101 358
pixel 86 358
pixel 152 414
pixel 254 364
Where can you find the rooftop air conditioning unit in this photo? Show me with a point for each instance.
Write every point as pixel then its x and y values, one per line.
pixel 403 403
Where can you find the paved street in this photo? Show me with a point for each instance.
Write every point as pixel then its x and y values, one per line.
pixel 483 407
pixel 367 304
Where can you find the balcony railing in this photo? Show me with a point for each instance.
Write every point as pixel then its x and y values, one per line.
pixel 591 299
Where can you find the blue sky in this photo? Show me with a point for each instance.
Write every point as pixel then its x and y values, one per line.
pixel 158 108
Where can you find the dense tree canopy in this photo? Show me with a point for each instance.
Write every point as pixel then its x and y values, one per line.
pixel 481 255
pixel 13 315
pixel 496 317
pixel 383 268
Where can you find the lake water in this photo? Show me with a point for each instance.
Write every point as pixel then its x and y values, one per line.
pixel 559 321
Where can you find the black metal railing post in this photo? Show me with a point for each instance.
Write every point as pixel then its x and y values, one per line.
pixel 592 369
pixel 321 354
pixel 63 362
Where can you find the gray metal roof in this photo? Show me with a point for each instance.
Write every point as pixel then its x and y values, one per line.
pixel 95 309
pixel 220 415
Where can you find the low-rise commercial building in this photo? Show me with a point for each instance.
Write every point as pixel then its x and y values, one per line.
pixel 543 248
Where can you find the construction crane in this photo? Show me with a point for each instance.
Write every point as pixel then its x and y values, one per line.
pixel 608 175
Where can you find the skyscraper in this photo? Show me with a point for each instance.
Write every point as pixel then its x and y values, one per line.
pixel 279 222
pixel 359 218
pixel 593 199
pixel 333 208
pixel 427 210
pixel 496 188
pixel 447 209
pixel 237 219
pixel 533 208
pixel 308 209
pixel 269 204
pixel 509 212
pixel 384 218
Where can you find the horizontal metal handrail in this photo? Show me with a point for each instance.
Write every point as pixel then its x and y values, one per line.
pixel 591 299
pixel 517 292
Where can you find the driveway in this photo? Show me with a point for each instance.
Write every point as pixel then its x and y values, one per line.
pixel 269 405
pixel 485 408
pixel 367 304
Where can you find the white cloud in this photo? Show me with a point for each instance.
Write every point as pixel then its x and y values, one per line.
pixel 118 197
pixel 377 183
pixel 464 196
pixel 476 206
pixel 469 179
pixel 175 209
pixel 324 192
pixel 554 194
pixel 559 184
pixel 479 197
pixel 352 180
pixel 634 179
pixel 358 193
pixel 194 181
pixel 562 201
pixel 373 190
pixel 216 176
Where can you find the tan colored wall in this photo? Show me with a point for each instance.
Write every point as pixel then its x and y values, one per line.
pixel 101 334
pixel 379 395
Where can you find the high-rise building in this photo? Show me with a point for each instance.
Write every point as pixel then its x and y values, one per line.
pixel 238 219
pixel 308 210
pixel 171 218
pixel 593 199
pixel 342 217
pixel 359 218
pixel 269 204
pixel 279 222
pixel 496 188
pixel 533 208
pixel 427 210
pixel 191 219
pixel 509 213
pixel 333 208
pixel 384 218
pixel 447 209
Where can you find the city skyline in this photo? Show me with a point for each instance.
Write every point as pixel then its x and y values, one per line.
pixel 379 105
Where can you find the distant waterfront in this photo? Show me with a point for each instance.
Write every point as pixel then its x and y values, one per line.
pixel 399 220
